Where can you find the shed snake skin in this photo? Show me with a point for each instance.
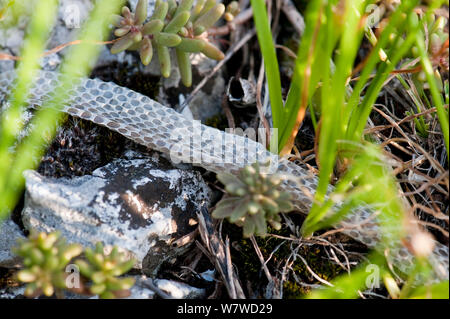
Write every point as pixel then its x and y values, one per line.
pixel 155 126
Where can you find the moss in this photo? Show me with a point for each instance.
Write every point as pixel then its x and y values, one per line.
pixel 249 266
pixel 218 121
pixel 130 76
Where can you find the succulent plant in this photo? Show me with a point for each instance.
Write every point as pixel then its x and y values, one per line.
pixel 254 201
pixel 182 26
pixel 45 257
pixel 233 10
pixel 435 33
pixel 103 269
pixel 437 37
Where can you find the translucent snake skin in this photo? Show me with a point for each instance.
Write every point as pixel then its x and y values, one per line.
pixel 153 125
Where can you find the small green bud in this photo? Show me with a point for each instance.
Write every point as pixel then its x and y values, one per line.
pixel 37 257
pixel 98 259
pixel 210 17
pixel 98 277
pixel 146 51
pixel 275 225
pixel 116 284
pixel 122 31
pixel 137 36
pixel 253 208
pixel 249 170
pixel 195 12
pixel 421 76
pixel 141 11
pixel 107 295
pixel 269 204
pixel 413 20
pixel 228 16
pixel 184 64
pixel 124 267
pixel 117 20
pixel 431 18
pixel 47 289
pixel 72 251
pixel 52 262
pixel 415 51
pixel 153 27
pixel 172 7
pixel 191 45
pixel 185 5
pixel 233 8
pixel 84 267
pixel 164 60
pixel 167 39
pixel 183 32
pixel 177 22
pixel 122 44
pixel 26 276
pixel 98 289
pixel 208 6
pixel 126 13
pixel 199 30
pixel 160 12
pixel 392 37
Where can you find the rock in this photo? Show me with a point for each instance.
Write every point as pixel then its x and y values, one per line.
pixel 9 234
pixel 179 290
pixel 13 292
pixel 142 205
pixel 174 289
pixel 140 290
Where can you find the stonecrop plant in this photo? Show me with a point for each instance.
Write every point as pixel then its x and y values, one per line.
pixel 104 269
pixel 255 200
pixel 45 257
pixel 182 26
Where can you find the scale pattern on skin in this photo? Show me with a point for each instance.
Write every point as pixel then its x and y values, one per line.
pixel 151 124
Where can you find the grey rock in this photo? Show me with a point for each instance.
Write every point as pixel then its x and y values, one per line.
pixel 9 234
pixel 142 205
pixel 50 62
pixel 179 290
pixel 140 290
pixel 174 289
pixel 6 65
pixel 13 292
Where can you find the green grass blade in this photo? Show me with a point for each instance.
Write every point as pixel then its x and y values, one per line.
pixel 10 124
pixel 77 63
pixel 435 95
pixel 302 85
pixel 334 101
pixel 266 44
